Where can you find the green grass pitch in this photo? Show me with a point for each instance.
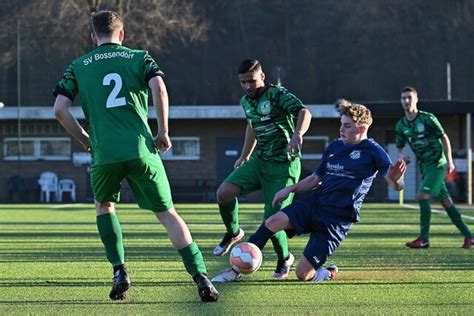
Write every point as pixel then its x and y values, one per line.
pixel 52 262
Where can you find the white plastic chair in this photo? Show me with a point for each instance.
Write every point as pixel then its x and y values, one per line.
pixel 48 182
pixel 66 185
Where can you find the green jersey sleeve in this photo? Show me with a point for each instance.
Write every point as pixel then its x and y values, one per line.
pixel 151 68
pixel 434 125
pixel 67 86
pixel 288 101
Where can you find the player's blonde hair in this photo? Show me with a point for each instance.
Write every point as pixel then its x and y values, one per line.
pixel 359 113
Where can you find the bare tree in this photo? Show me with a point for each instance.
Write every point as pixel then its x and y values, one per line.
pixel 62 26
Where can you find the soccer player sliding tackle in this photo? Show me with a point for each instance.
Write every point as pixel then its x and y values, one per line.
pixel 334 196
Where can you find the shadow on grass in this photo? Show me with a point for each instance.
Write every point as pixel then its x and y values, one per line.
pixel 280 283
pixel 143 254
pixel 127 233
pixel 107 302
pixel 150 234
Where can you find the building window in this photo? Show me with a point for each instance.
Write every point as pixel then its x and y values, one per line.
pixel 314 146
pixel 184 148
pixel 36 148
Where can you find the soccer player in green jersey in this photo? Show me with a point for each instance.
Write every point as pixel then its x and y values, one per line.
pixel 270 159
pixel 113 83
pixel 432 148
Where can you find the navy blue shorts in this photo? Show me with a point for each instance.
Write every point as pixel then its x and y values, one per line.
pixel 325 235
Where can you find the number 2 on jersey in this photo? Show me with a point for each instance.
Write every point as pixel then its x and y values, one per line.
pixel 112 100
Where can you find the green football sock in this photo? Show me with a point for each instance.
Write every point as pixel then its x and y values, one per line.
pixel 425 218
pixel 280 244
pixel 230 216
pixel 193 260
pixel 457 220
pixel 110 232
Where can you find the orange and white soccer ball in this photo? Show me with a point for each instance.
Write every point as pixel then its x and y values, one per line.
pixel 245 258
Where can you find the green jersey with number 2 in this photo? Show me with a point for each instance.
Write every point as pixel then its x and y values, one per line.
pixel 112 82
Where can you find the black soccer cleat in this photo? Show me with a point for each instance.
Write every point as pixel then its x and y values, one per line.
pixel 206 289
pixel 120 285
pixel 283 267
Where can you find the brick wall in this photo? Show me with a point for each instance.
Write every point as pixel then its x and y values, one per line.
pixel 181 172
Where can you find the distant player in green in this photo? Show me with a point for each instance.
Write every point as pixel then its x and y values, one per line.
pixel 270 158
pixel 113 83
pixel 432 148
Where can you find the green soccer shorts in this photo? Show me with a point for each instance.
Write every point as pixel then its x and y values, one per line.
pixel 433 183
pixel 146 177
pixel 270 177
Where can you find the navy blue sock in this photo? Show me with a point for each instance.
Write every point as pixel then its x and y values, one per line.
pixel 261 236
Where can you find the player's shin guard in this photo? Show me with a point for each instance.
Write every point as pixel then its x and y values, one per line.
pixel 425 218
pixel 261 236
pixel 110 232
pixel 457 220
pixel 230 216
pixel 193 260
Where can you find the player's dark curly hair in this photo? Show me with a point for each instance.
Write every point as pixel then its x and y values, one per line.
pixel 106 22
pixel 359 113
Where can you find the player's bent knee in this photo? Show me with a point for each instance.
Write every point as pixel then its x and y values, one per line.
pixel 304 270
pixel 304 275
pixel 167 216
pixel 227 192
pixel 272 221
pixel 104 207
pixel 277 221
pixel 224 195
pixel 447 202
pixel 422 196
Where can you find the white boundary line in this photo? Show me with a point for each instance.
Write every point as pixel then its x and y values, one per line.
pixel 404 205
pixel 437 211
pixel 69 205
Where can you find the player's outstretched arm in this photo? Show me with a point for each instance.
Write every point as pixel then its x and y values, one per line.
pixel 69 122
pixel 395 174
pixel 308 183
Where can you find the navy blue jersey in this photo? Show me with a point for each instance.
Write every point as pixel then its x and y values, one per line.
pixel 347 173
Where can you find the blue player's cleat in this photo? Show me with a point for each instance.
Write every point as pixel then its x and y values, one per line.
pixel 325 274
pixel 333 270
